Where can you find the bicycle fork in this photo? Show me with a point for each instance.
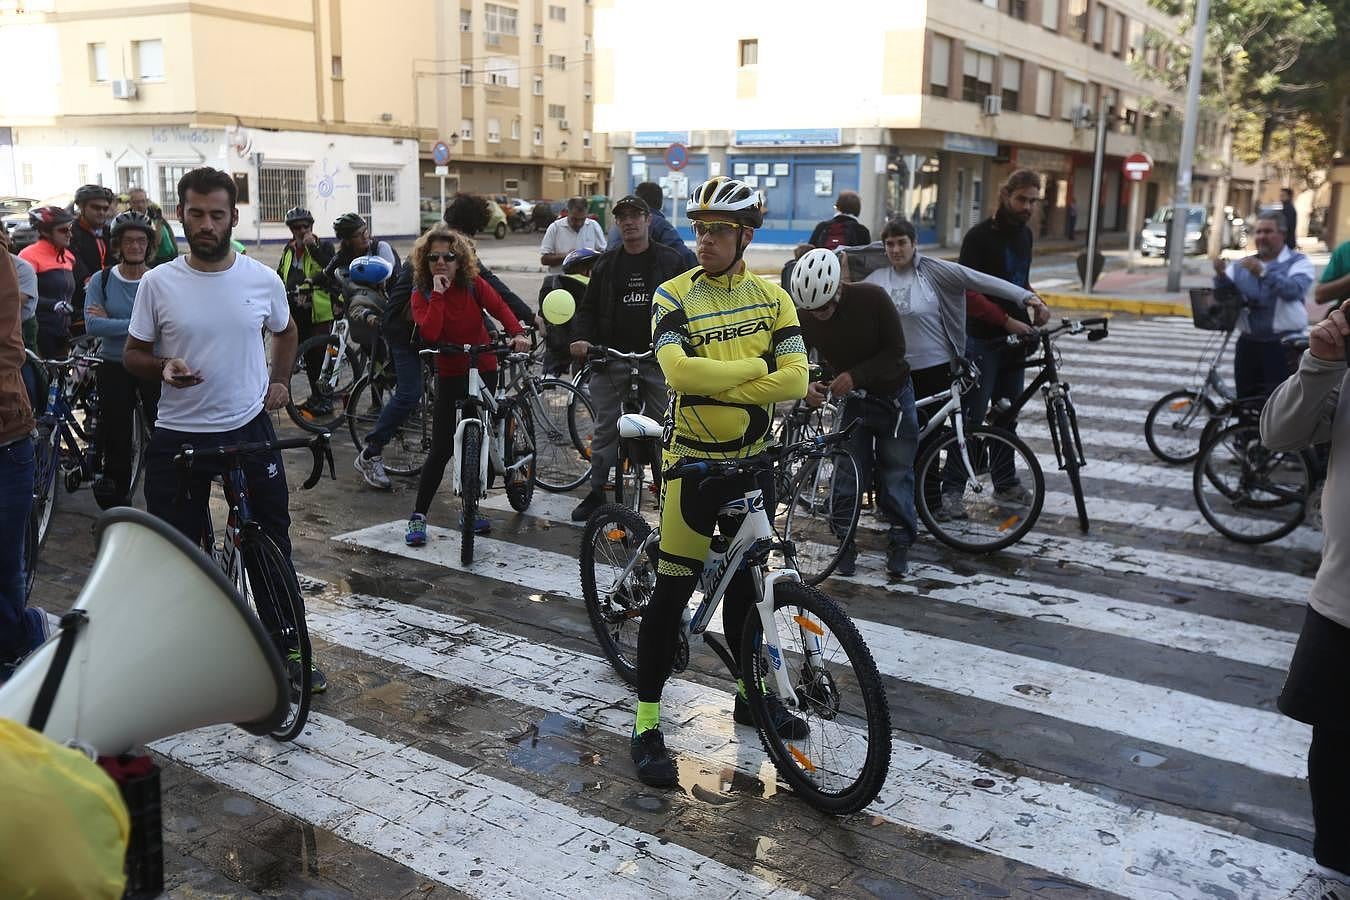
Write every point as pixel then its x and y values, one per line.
pixel 1068 447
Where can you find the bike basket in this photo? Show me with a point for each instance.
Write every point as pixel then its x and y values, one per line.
pixel 1213 310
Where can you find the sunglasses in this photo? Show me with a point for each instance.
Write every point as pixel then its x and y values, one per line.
pixel 440 257
pixel 715 229
pixel 64 229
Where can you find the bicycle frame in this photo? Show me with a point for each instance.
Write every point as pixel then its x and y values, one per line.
pixel 334 355
pixel 494 438
pixel 950 409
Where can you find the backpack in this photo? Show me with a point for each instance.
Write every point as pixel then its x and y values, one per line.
pixel 836 233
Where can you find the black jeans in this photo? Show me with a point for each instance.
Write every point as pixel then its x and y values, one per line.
pixel 449 390
pixel 118 393
pixel 1329 784
pixel 1259 367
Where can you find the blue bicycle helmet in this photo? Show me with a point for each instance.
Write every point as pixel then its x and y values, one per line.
pixel 371 271
pixel 578 258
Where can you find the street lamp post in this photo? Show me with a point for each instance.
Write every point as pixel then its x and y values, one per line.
pixel 1176 241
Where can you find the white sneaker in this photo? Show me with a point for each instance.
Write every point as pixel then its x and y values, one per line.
pixel 372 470
pixel 1318 886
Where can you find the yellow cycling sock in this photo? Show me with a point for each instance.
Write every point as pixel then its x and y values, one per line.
pixel 740 688
pixel 648 717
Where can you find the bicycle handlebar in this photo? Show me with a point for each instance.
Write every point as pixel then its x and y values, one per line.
pixel 320 446
pixel 761 461
pixel 600 354
pixel 61 363
pixel 1096 328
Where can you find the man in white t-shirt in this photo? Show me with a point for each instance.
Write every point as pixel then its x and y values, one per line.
pixel 568 233
pixel 197 327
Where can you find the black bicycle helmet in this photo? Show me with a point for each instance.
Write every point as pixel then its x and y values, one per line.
pixel 348 224
pixel 132 219
pixel 299 214
pixel 45 218
pixel 85 193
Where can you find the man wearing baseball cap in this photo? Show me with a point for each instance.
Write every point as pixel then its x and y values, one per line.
pixel 616 312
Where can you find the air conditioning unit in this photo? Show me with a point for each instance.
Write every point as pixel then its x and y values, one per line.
pixel 1082 116
pixel 993 105
pixel 563 125
pixel 124 89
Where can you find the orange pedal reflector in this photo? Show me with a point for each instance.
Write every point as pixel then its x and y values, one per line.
pixel 809 625
pixel 616 534
pixel 802 759
pixel 1009 523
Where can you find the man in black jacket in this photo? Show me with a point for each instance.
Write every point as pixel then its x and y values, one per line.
pixel 616 312
pixel 88 243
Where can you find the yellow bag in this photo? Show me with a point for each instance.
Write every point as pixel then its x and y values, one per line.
pixel 63 825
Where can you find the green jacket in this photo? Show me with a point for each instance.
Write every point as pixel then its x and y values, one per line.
pixel 167 248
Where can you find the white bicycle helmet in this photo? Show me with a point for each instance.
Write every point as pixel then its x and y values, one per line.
pixel 815 279
pixel 726 197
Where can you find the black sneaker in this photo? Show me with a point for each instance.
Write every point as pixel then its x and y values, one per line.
pixel 318 683
pixel 785 723
pixel 897 561
pixel 848 561
pixel 593 501
pixel 654 765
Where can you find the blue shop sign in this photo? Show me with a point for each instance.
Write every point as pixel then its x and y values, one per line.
pixel 662 139
pixel 966 143
pixel 788 137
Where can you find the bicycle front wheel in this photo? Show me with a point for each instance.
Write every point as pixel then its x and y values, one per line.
pixel 1071 452
pixel 270 588
pixel 46 469
pixel 1247 492
pixel 564 423
pixel 614 538
pixel 840 764
pixel 318 398
pixel 968 512
pixel 140 441
pixel 1173 425
pixel 519 457
pixel 470 485
pixel 822 507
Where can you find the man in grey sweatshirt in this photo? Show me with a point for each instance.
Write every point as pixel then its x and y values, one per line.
pixel 1311 407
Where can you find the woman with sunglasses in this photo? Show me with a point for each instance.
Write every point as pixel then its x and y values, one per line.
pixel 51 258
pixel 449 300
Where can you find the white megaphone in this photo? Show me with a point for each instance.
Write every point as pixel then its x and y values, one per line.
pixel 158 642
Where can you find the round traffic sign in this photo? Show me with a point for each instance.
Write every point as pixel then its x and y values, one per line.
pixel 440 154
pixel 1137 166
pixel 677 157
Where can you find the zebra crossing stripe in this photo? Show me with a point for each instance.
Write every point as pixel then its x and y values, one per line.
pixel 1263 741
pixel 1122 848
pixel 456 826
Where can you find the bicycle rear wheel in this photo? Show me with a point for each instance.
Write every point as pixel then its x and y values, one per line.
pixel 407 448
pixel 564 423
pixel 613 537
pixel 840 766
pixel 980 521
pixel 1174 423
pixel 271 589
pixel 822 508
pixel 1247 492
pixel 520 444
pixel 322 407
pixel 470 485
pixel 630 474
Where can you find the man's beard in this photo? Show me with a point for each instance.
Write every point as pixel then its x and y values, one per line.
pixel 1009 217
pixel 212 251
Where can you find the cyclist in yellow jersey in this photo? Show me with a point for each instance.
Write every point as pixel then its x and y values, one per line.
pixel 730 347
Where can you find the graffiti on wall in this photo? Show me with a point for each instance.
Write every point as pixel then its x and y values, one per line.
pixel 328 183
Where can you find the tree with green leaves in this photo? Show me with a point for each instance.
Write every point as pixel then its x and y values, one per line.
pixel 1252 49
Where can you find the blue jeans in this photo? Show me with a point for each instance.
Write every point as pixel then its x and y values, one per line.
pixel 16 501
pixel 1001 378
pixel 885 454
pixel 407 391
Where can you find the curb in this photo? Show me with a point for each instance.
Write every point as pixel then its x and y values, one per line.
pixel 1132 305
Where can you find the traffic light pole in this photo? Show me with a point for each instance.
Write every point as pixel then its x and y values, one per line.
pixel 1094 216
pixel 1176 241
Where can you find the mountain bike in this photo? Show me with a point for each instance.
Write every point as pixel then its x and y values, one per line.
pixel 957 479
pixel 1059 412
pixel 251 559
pixel 564 423
pixel 407 449
pixel 1174 425
pixel 798 645
pixel 639 444
pixel 318 400
pixel 494 436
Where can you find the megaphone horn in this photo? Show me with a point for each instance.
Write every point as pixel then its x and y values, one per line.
pixel 143 656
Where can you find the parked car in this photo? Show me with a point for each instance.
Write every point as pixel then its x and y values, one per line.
pixel 496 225
pixel 14 216
pixel 429 213
pixel 524 207
pixel 1153 237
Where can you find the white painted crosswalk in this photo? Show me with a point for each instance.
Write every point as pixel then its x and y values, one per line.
pixel 1125 739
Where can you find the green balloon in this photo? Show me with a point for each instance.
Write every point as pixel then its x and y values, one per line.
pixel 559 307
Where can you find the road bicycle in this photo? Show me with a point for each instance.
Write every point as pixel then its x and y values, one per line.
pixel 564 422
pixel 1176 422
pixel 639 444
pixel 961 467
pixel 1060 416
pixel 494 436
pixel 251 559
pixel 317 400
pixel 798 646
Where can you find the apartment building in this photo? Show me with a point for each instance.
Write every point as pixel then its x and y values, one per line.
pixel 922 107
pixel 334 105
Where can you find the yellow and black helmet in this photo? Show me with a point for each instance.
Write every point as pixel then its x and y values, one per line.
pixel 723 196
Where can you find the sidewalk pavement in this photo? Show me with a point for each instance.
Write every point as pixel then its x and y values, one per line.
pixel 1141 292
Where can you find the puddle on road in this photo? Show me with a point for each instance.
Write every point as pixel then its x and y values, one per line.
pixel 379 583
pixel 551 742
pixel 1144 759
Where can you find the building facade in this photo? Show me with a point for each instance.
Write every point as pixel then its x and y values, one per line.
pixel 922 107
pixel 333 105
